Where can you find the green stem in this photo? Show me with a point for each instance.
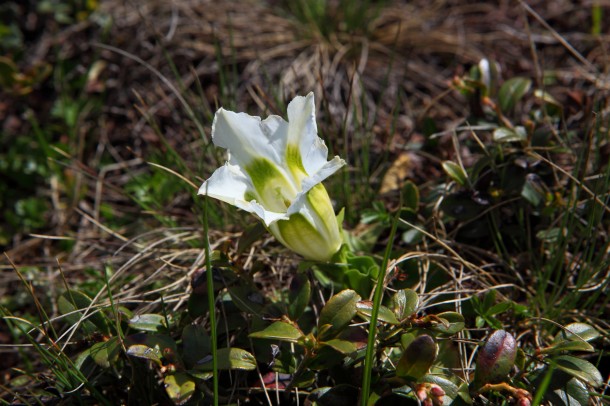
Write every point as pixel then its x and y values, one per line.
pixel 211 300
pixel 379 287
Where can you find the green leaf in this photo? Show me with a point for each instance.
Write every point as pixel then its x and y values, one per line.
pixel 249 236
pixel 343 346
pixel 298 296
pixel 512 91
pixel 338 313
pixel 179 387
pixel 280 330
pixel 365 309
pixel 463 396
pixel 196 344
pixel 145 352
pixel 164 346
pixel 504 134
pixel 550 236
pixel 565 390
pixel 247 298
pixel 577 332
pixel 326 357
pixel 460 206
pixel 455 172
pixel 362 271
pixel 451 389
pixel 580 369
pixel 72 303
pixel 229 358
pixel 534 191
pixel 451 323
pixel 149 322
pixel 410 196
pixel 489 71
pixel 417 358
pixel 568 346
pixel 106 353
pixel 404 303
pixel 412 236
pixel 499 308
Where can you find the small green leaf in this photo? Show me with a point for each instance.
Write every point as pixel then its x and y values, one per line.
pixel 547 98
pixel 365 309
pixel 551 235
pixel 149 322
pixel 451 323
pixel 410 196
pixel 106 353
pixel 338 313
pixel 343 346
pixel 73 303
pixel 568 346
pixel 326 357
pixel 404 303
pixel 196 344
pixel 145 352
pixel 229 358
pixel 499 308
pixel 417 358
pixel 460 206
pixel 580 369
pixel 298 296
pixel 464 395
pixel 412 236
pixel 179 387
pixel 455 172
pixel 490 73
pixel 164 343
pixel 512 91
pixel 534 191
pixel 280 330
pixel 565 390
pixel 504 134
pixel 247 298
pixel 577 332
pixel 451 389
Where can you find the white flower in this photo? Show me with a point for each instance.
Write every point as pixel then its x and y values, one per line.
pixel 275 170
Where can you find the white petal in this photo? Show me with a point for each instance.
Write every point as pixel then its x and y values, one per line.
pixel 268 217
pixel 303 131
pixel 324 172
pixel 243 136
pixel 229 184
pixel 275 129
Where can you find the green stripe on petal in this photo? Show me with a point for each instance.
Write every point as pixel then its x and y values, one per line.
pixel 319 201
pixel 249 196
pixel 274 190
pixel 295 163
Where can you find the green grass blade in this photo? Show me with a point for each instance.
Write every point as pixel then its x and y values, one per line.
pixel 370 348
pixel 211 299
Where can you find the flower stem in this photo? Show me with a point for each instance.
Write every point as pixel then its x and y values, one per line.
pixel 211 300
pixel 379 288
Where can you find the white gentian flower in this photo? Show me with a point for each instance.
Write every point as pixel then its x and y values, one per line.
pixel 275 170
